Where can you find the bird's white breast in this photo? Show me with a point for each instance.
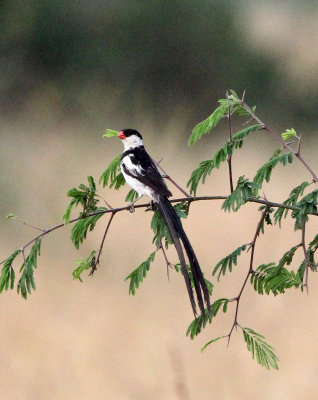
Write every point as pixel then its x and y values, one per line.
pixel 138 186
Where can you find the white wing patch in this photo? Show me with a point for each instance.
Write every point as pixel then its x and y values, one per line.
pixel 138 186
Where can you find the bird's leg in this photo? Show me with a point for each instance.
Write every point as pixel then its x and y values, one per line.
pixel 132 204
pixel 151 206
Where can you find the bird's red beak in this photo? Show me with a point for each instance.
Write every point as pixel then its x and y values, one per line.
pixel 121 135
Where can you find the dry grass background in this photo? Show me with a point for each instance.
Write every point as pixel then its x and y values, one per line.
pixel 91 340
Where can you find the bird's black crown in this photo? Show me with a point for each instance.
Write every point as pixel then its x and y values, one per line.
pixel 130 132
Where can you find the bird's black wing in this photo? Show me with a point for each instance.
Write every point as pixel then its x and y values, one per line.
pixel 149 174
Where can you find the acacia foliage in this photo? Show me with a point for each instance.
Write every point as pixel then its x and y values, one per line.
pixel 271 278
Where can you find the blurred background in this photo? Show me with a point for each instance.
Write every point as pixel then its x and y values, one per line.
pixel 71 69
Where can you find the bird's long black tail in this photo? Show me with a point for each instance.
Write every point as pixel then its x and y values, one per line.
pixel 177 233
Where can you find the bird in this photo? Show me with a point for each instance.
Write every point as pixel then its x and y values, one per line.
pixel 142 174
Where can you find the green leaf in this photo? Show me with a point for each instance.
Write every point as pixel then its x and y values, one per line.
pixel 83 265
pixel 262 351
pixel 238 137
pixel 209 284
pixel 131 196
pixel 112 175
pixel 7 276
pixel 289 133
pixel 200 322
pixel 138 275
pixel 160 229
pixel 264 173
pixel 84 195
pixel 227 262
pixel 231 104
pixel 212 341
pixel 82 226
pixel 269 278
pixel 110 133
pixel 288 256
pixel 26 282
pixel 244 190
pixel 204 169
pixel 307 205
pixel 205 126
pixel 292 200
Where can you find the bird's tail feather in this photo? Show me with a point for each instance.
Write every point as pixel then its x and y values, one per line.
pixel 177 233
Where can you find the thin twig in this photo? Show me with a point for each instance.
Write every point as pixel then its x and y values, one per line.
pixel 104 237
pixel 229 157
pixel 178 200
pixel 172 180
pixel 279 139
pixel 307 262
pixel 249 272
pixel 168 263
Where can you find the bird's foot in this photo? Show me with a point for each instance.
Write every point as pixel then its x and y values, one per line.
pixel 151 206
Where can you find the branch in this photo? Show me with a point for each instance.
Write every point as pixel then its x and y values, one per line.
pixel 229 157
pixel 145 205
pixel 249 272
pixel 172 180
pixel 103 240
pixel 307 262
pixel 168 263
pixel 279 139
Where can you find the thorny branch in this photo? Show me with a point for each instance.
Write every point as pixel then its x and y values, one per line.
pixel 168 263
pixel 306 260
pixel 249 272
pixel 103 240
pixel 229 157
pixel 146 205
pixel 165 175
pixel 278 138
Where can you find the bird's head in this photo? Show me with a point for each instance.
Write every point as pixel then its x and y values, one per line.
pixel 130 138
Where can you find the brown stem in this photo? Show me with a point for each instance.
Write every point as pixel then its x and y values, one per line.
pixel 229 157
pixel 307 262
pixel 104 237
pixel 249 272
pixel 168 263
pixel 145 205
pixel 172 180
pixel 280 140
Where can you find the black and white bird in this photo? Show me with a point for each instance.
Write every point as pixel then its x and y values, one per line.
pixel 141 173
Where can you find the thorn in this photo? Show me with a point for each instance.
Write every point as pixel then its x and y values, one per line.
pixel 243 96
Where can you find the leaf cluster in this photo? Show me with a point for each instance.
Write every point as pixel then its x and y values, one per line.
pixel 307 205
pixel 26 281
pixel 200 322
pixel 160 229
pixel 262 351
pixel 271 278
pixel 82 226
pixel 312 248
pixel 7 276
pixel 84 265
pixel 227 262
pixel 244 190
pixel 228 106
pixel 138 275
pixel 112 175
pixel 264 173
pixel 209 284
pixel 85 196
pixel 205 167
pixel 290 201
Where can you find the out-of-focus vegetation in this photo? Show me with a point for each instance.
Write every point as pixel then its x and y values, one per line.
pixel 79 55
